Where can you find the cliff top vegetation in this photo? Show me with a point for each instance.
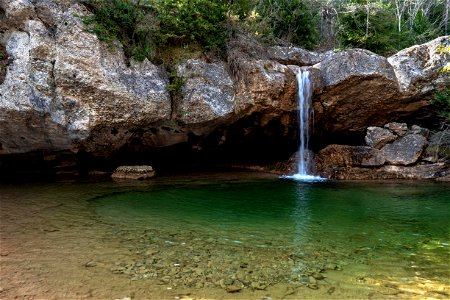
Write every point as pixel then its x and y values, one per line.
pixel 152 28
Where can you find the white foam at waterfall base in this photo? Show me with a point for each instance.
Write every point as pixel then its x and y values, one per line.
pixel 306 178
pixel 305 111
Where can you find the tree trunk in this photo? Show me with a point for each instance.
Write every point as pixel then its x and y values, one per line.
pixel 367 23
pixel 447 5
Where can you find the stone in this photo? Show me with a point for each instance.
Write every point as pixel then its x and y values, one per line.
pixel 233 289
pixel 356 82
pixel 421 171
pixel 90 264
pixel 439 145
pixel 336 157
pixel 377 137
pixel 399 129
pixel 415 129
pixel 207 92
pixel 417 68
pixel 133 172
pixel 406 150
pixel 296 56
pixel 71 91
pixel 318 276
pixel 18 11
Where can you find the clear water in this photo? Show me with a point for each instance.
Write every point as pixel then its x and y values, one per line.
pixel 203 236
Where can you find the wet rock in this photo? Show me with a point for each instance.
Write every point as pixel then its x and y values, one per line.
pixel 118 270
pixel 90 264
pixel 399 129
pixel 258 286
pixel 233 289
pixel 377 137
pixel 313 286
pixel 318 276
pixel 133 172
pixel 406 150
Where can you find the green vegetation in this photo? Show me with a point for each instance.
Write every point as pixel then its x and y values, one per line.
pixel 441 104
pixel 149 28
pixel 146 28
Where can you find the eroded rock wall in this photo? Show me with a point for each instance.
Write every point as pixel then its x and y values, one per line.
pixel 65 91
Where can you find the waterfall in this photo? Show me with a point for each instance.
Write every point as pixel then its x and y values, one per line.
pixel 304 113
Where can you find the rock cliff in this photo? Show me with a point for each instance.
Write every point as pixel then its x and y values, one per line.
pixel 65 91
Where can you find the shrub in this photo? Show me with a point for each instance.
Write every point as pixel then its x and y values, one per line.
pixel 441 104
pixel 135 25
pixel 144 27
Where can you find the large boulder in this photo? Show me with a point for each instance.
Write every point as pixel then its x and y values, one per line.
pixel 133 172
pixel 334 158
pixel 355 83
pixel 377 137
pixel 207 92
pixel 361 88
pixel 399 129
pixel 417 68
pixel 406 150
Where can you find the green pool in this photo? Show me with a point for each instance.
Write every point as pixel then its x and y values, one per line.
pixel 226 236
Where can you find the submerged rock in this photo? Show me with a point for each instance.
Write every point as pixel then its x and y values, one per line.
pixel 133 172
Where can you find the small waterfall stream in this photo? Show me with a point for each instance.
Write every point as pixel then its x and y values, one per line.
pixel 305 112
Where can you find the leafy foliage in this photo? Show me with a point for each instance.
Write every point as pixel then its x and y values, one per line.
pixel 144 27
pixel 441 104
pixel 284 22
pixel 148 28
pixel 371 26
pixel 135 26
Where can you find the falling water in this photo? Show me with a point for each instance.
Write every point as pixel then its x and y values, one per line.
pixel 304 102
pixel 304 113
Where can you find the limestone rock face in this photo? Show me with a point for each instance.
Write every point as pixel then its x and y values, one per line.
pixel 357 87
pixel 361 88
pixel 377 137
pixel 70 90
pixel 296 56
pixel 133 172
pixel 266 86
pixel 207 92
pixel 417 68
pixel 406 150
